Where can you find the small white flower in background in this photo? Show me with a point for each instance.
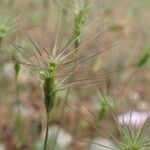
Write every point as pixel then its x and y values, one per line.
pixel 135 118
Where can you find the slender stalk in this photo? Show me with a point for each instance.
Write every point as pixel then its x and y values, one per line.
pixel 17 90
pixel 17 68
pixel 46 136
pixel 46 133
pixel 17 101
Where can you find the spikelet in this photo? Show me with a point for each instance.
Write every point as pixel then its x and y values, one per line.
pixel 80 20
pixel 49 86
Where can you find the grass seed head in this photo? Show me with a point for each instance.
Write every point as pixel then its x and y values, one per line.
pixel 49 86
pixel 55 67
pixel 132 139
pixel 79 21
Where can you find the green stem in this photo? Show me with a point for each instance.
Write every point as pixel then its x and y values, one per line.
pixel 46 136
pixel 46 133
pixel 18 115
pixel 17 95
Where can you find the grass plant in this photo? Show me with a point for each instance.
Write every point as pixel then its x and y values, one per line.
pixel 61 66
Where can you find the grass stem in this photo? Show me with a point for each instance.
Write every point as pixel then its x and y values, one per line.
pixel 46 133
pixel 46 136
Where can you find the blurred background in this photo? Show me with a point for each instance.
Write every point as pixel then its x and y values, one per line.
pixel 118 30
